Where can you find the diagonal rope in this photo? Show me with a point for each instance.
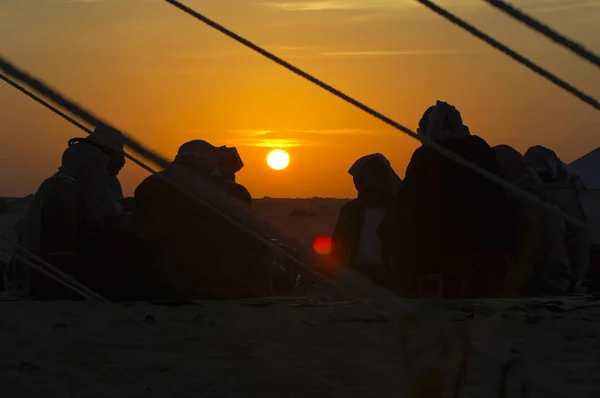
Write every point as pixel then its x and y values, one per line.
pixel 71 106
pixel 424 140
pixel 511 53
pixel 545 30
pixel 50 271
pixel 67 117
pixel 87 116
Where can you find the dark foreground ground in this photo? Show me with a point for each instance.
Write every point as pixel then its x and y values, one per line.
pixel 292 348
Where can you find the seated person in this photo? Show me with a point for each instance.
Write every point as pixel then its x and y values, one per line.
pixel 451 222
pixel 539 264
pixel 355 240
pixel 70 208
pixel 187 250
pixel 563 189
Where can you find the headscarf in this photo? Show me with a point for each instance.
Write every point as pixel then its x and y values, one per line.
pixel 442 121
pixel 108 138
pixel 199 155
pixel 358 166
pixel 220 161
pixel 514 168
pixel 230 162
pixel 546 163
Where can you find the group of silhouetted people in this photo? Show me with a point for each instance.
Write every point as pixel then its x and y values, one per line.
pixel 445 230
pixel 162 243
pixel 448 231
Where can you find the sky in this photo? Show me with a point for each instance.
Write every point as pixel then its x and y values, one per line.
pixel 165 78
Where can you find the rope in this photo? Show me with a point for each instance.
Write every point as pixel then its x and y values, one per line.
pixel 68 118
pixel 87 116
pixel 424 140
pixel 68 282
pixel 546 31
pixel 511 53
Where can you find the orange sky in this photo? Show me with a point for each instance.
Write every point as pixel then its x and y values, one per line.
pixel 164 77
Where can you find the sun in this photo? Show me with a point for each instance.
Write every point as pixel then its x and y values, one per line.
pixel 278 159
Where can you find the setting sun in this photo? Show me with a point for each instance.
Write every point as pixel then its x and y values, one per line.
pixel 278 159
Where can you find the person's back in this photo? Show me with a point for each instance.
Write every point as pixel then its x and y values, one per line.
pixel 451 219
pixel 191 251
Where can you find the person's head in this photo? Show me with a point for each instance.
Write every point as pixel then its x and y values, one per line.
pixel 110 139
pixel 374 179
pixel 442 120
pixel 116 162
pixel 200 156
pixel 514 167
pixel 230 162
pixel 544 162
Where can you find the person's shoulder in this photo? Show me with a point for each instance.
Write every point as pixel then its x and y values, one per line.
pixel 351 207
pixel 238 190
pixel 149 183
pixel 477 141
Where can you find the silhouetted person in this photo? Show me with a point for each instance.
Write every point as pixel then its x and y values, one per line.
pixel 188 251
pixel 563 189
pixel 71 211
pixel 538 264
pixel 450 225
pixel 355 238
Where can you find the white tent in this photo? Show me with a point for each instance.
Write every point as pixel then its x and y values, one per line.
pixel 588 169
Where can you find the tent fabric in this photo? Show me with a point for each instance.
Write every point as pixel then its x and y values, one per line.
pixel 588 169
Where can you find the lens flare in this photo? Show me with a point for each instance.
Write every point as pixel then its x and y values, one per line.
pixel 323 245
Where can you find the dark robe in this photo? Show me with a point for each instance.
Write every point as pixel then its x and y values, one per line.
pixel 187 251
pixel 346 239
pixel 451 221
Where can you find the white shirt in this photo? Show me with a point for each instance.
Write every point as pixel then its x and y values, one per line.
pixel 369 246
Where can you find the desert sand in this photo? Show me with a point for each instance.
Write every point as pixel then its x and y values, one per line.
pixel 295 347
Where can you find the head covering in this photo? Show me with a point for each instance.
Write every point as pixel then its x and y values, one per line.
pixel 230 162
pixel 107 137
pixel 441 121
pixel 545 162
pixel 514 168
pixel 200 155
pixel 358 166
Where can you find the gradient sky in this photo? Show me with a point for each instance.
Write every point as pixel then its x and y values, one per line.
pixel 164 77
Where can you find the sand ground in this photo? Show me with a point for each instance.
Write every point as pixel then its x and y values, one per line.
pixel 287 348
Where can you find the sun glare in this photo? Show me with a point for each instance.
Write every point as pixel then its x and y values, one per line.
pixel 278 159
